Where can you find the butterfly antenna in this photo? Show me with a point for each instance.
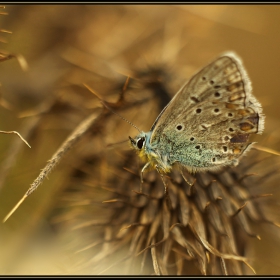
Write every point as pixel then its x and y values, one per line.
pixel 93 92
pixel 114 144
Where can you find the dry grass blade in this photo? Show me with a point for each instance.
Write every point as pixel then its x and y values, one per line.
pixel 4 57
pixel 264 149
pixel 3 13
pixel 21 60
pixel 15 132
pixel 224 266
pixel 215 252
pixel 155 261
pixel 66 146
pixel 6 31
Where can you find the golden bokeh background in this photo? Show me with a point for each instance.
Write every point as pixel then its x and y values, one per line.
pixel 76 44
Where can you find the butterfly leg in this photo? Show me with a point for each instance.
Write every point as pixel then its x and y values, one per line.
pixel 166 193
pixel 141 175
pixel 186 180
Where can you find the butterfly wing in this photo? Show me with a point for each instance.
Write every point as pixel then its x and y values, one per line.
pixel 208 122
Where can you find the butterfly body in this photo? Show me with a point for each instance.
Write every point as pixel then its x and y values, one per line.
pixel 208 122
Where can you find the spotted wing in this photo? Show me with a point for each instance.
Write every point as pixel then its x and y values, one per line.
pixel 208 122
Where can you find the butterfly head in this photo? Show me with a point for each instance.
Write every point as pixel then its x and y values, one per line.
pixel 149 152
pixel 139 142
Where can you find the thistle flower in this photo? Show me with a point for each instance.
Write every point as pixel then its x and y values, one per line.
pixel 202 227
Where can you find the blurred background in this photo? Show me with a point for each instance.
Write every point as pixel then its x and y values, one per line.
pixel 66 46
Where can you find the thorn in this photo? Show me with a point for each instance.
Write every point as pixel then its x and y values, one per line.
pixel 93 92
pixel 207 204
pixel 240 208
pixel 111 200
pixel 130 171
pixel 247 175
pixel 124 89
pixel 276 224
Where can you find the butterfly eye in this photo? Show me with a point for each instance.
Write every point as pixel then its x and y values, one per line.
pixel 140 143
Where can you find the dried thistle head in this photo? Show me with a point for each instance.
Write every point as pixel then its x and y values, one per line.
pixel 203 227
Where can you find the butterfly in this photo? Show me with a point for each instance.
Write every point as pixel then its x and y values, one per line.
pixel 207 124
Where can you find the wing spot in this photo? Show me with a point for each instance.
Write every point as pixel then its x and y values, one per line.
pixel 216 110
pixel 198 111
pixel 246 112
pixel 225 148
pixel 226 138
pixel 236 96
pixel 192 138
pixel 217 94
pixel 203 127
pixel 239 138
pixel 236 151
pixel 203 78
pixel 197 147
pixel 231 129
pixel 231 106
pixel 212 82
pixel 246 126
pixel 180 127
pixel 213 159
pixel 230 115
pixel 194 99
pixel 231 88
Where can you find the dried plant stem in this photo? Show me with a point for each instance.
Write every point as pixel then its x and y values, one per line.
pixel 15 148
pixel 215 252
pixel 4 57
pixel 21 60
pixel 6 31
pixel 265 149
pixel 15 132
pixel 68 143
